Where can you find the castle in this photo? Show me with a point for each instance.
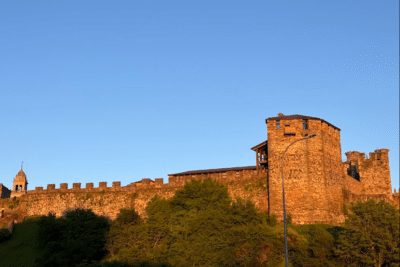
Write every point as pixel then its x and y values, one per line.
pixel 318 184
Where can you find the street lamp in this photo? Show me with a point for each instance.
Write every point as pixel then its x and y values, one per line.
pixel 307 136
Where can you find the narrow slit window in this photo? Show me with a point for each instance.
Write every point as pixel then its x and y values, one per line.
pixel 305 125
pixel 278 124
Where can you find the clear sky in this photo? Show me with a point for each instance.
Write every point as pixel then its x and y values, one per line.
pixel 95 91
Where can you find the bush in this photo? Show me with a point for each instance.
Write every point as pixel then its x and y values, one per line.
pixel 371 235
pixel 4 234
pixel 78 237
pixel 199 226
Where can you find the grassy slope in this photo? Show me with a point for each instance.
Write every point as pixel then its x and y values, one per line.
pixel 20 250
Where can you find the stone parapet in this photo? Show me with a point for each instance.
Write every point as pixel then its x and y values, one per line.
pixel 4 192
pixel 51 186
pixel 116 184
pixel 76 185
pixel 373 172
pixel 64 186
pixel 108 201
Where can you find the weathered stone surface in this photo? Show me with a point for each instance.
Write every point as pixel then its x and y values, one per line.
pixel 107 201
pixel 4 192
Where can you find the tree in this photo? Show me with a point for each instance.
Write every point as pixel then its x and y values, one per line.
pixel 78 237
pixel 4 234
pixel 313 247
pixel 371 235
pixel 199 226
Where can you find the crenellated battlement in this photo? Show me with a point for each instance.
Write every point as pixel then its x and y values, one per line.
pixel 372 172
pixel 145 183
pixel 358 158
pixel 175 181
pixel 105 200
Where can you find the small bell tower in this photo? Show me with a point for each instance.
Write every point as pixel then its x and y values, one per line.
pixel 20 184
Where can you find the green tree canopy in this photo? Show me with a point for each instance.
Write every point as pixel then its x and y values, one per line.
pixel 371 235
pixel 77 237
pixel 200 226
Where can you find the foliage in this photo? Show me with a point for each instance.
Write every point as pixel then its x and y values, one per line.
pixel 128 216
pixel 314 247
pixel 202 226
pixel 4 234
pixel 21 249
pixel 289 218
pixel 371 235
pixel 123 264
pixel 199 226
pixel 77 237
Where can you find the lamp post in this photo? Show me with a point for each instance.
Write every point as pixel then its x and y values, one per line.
pixel 307 136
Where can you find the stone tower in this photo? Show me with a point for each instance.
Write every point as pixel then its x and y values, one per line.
pixel 312 169
pixel 373 172
pixel 20 184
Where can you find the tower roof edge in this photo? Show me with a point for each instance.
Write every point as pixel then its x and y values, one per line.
pixel 298 116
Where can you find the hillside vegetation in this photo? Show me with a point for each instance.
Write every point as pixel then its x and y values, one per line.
pixel 21 249
pixel 202 226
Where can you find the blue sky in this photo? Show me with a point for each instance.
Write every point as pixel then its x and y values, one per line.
pixel 95 91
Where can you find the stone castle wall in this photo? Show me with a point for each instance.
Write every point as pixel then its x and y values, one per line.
pixel 374 177
pixel 396 199
pixel 4 192
pixel 108 201
pixel 318 184
pixel 350 184
pixel 374 171
pixel 221 175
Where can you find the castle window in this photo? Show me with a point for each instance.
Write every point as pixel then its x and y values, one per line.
pixel 278 125
pixel 352 171
pixel 378 156
pixel 305 126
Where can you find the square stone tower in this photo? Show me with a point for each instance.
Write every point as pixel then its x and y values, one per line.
pixel 312 169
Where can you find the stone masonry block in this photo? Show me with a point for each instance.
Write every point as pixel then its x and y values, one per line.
pixel 64 186
pixel 103 185
pixel 51 186
pixel 133 185
pixel 76 185
pixel 89 185
pixel 116 184
pixel 38 188
pixel 146 181
pixel 171 179
pixel 159 181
